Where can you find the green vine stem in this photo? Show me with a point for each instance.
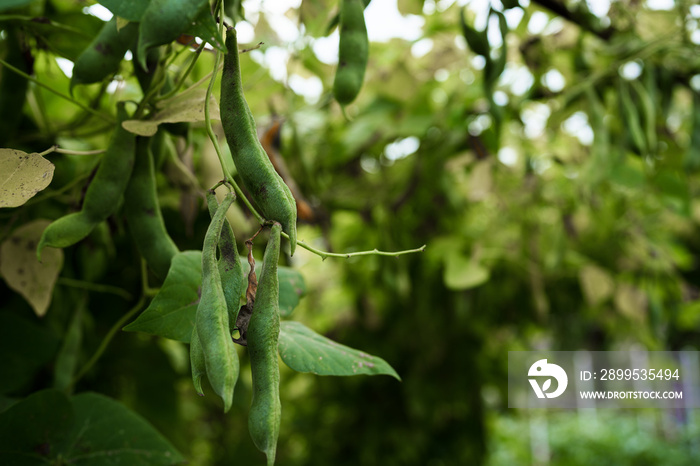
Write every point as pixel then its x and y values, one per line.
pixel 79 152
pixel 347 255
pixel 207 117
pixel 54 91
pixel 59 150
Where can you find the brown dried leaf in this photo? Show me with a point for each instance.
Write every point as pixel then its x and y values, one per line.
pixel 22 271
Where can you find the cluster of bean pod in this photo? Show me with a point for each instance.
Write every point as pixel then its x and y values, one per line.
pixel 264 185
pixel 127 171
pixel 223 281
pixel 212 352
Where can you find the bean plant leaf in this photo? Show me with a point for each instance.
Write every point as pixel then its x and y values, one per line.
pixel 22 175
pixel 106 432
pixel 32 431
pixel 205 28
pixel 127 9
pixel 172 312
pixel 22 271
pixel 184 107
pixel 88 429
pixel 304 350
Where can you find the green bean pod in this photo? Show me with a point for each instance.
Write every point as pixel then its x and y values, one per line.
pixel 104 54
pixel 266 187
pixel 143 212
pixel 197 362
pixel 164 21
pixel 263 336
pixel 353 52
pixel 66 231
pixel 220 356
pixel 102 196
pixel 108 185
pixel 233 277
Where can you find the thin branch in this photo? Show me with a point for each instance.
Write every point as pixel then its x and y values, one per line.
pixel 79 152
pixel 374 252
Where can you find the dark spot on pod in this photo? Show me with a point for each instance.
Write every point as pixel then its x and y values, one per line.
pixel 226 249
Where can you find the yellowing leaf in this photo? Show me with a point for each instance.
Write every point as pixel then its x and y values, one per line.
pixel 22 175
pixel 184 107
pixel 631 302
pixel 22 271
pixel 462 273
pixel 596 283
pixel 141 127
pixel 480 181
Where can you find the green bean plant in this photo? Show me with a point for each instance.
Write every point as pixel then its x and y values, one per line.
pixel 204 297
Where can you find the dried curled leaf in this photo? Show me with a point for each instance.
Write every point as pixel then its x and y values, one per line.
pixel 184 107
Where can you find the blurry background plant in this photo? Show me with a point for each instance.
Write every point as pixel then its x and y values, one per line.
pixel 546 151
